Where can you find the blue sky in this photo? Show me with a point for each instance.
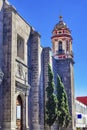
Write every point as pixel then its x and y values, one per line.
pixel 44 14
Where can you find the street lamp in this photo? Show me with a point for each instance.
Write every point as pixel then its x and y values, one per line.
pixel 1 76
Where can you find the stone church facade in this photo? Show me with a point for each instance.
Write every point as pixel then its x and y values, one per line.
pixel 24 63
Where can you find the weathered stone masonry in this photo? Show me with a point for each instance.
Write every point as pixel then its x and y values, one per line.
pixel 25 65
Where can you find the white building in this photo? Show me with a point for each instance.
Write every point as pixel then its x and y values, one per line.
pixel 81 115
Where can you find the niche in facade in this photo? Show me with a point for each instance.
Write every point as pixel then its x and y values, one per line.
pixel 20 47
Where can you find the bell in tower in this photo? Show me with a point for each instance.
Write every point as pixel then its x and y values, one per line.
pixel 61 41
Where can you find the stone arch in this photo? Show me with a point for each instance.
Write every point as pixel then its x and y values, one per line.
pixel 19 113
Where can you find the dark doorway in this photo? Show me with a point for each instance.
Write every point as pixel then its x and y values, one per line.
pixel 19 113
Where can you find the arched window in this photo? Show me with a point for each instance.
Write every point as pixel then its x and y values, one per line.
pixel 67 46
pixel 60 47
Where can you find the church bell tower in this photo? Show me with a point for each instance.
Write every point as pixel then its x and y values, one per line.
pixel 62 41
pixel 63 61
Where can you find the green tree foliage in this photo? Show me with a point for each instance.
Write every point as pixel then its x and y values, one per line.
pixel 64 117
pixel 51 104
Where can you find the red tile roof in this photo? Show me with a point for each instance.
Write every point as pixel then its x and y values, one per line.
pixel 82 100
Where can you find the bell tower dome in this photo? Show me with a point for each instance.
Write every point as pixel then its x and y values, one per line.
pixel 61 41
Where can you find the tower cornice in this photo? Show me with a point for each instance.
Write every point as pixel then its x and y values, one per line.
pixel 62 35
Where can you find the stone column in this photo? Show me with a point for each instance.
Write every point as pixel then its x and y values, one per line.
pixel 34 80
pixel 26 98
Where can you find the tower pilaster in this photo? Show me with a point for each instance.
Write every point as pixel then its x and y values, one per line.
pixel 1 31
pixel 1 55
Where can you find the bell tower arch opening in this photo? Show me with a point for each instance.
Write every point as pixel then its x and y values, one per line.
pixel 60 47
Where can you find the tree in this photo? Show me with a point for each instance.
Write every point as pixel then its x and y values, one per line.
pixel 51 104
pixel 64 117
pixel 68 117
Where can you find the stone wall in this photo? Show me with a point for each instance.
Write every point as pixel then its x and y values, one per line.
pixel 41 91
pixel 6 91
pixel 1 53
pixel 19 67
pixel 1 33
pixel 64 68
pixel 13 25
pixel 46 61
pixel 34 71
pixel 38 59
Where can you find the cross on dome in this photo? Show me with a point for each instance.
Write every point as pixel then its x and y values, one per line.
pixel 60 17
